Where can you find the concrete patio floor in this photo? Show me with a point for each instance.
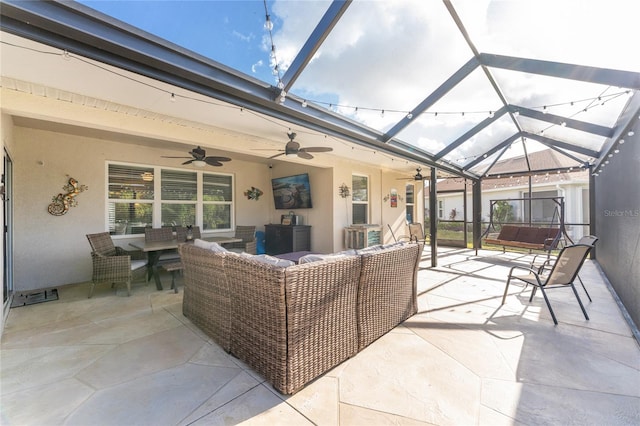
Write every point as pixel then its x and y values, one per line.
pixel 462 360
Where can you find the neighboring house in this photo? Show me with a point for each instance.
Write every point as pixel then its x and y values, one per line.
pixel 572 185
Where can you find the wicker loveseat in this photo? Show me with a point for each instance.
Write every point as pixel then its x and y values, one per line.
pixel 291 324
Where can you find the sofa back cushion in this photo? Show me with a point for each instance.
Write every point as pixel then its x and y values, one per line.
pixel 209 245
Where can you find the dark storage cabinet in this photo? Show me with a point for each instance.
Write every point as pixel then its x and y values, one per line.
pixel 287 238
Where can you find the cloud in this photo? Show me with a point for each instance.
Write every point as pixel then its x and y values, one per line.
pixel 392 54
pixel 242 37
pixel 254 67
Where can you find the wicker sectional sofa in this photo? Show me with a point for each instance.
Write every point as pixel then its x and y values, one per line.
pixel 291 324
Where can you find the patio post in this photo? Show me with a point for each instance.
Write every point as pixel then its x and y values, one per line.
pixel 433 209
pixel 476 205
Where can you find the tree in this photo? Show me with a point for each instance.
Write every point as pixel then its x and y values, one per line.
pixel 502 212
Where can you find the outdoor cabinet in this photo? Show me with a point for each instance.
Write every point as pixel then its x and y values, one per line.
pixel 287 238
pixel 361 236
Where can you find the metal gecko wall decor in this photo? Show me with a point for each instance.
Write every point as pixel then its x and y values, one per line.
pixel 62 202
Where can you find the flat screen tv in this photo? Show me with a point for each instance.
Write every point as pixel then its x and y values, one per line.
pixel 292 192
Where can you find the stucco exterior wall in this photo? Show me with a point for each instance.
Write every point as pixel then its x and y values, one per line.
pixel 53 250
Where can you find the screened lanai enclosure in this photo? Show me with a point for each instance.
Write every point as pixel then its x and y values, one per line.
pixel 454 87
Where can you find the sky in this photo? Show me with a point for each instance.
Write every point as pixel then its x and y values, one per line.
pixel 389 55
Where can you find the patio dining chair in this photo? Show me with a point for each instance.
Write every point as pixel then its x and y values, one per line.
pixel 562 275
pixel 249 243
pixel 111 263
pixel 162 234
pixel 416 233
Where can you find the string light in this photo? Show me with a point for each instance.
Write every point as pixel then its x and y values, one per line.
pixel 268 25
pixel 409 114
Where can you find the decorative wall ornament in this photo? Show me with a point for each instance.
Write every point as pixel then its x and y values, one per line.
pixel 253 193
pixel 394 197
pixel 344 191
pixel 62 202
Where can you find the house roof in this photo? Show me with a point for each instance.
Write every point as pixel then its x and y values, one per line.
pixel 457 85
pixel 547 167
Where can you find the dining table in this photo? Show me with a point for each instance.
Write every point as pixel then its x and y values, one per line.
pixel 155 248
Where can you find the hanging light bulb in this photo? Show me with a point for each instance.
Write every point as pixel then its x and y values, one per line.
pixel 544 109
pixel 268 25
pixel 563 124
pixel 631 133
pixel 409 115
pixel 172 98
pixel 491 114
pixel 304 103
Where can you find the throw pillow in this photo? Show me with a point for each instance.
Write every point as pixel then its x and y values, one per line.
pixel 214 247
pixel 265 258
pixel 317 257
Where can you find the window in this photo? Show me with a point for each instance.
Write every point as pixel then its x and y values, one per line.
pixel 440 209
pixel 179 195
pixel 360 199
pixel 137 199
pixel 410 203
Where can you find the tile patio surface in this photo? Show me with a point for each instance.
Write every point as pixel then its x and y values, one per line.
pixel 462 360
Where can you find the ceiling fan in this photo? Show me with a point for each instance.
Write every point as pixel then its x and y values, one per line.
pixel 293 148
pixel 199 158
pixel 418 176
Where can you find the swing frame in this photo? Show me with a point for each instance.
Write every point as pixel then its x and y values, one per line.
pixel 525 235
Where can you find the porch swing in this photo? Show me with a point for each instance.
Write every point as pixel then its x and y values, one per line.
pixel 527 235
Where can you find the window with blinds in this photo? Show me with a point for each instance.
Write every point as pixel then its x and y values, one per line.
pixel 217 196
pixel 179 191
pixel 409 189
pixel 360 199
pixel 138 199
pixel 130 203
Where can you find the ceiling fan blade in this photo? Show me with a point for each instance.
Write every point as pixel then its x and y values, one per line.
pixel 277 155
pixel 305 155
pixel 316 149
pixel 212 161
pixel 164 156
pixel 214 158
pixel 188 162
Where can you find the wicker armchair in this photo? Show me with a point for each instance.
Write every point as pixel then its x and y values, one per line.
pixel 249 243
pixel 112 264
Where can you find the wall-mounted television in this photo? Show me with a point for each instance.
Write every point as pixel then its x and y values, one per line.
pixel 292 192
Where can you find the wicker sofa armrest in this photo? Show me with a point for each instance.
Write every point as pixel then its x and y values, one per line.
pixel 206 301
pixel 387 294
